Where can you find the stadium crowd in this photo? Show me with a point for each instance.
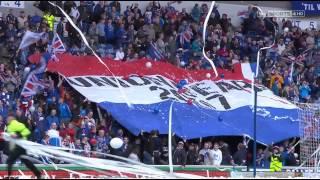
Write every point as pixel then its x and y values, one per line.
pixel 62 117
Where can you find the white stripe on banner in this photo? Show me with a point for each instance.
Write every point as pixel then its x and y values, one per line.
pixel 246 71
pixel 158 84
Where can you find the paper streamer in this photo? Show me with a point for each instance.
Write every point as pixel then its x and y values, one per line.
pixel 129 166
pixel 55 167
pixel 291 72
pixel 87 44
pixel 205 24
pixel 267 47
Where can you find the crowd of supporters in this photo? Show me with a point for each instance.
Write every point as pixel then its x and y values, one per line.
pixel 62 117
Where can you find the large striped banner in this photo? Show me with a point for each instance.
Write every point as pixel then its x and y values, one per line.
pixel 203 106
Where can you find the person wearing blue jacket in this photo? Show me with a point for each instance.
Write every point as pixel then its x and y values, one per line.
pixel 52 119
pixel 109 32
pixel 305 91
pixel 3 109
pixel 39 120
pixel 64 111
pixel 120 35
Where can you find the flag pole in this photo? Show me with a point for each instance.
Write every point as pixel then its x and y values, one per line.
pixel 256 93
pixel 255 133
pixel 170 139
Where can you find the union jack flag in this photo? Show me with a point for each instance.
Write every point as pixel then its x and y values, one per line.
pixel 32 86
pixel 297 59
pixel 56 47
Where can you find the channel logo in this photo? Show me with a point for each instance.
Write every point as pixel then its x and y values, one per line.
pixel 286 14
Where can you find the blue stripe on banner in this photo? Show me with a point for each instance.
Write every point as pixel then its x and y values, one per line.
pixel 253 67
pixel 191 122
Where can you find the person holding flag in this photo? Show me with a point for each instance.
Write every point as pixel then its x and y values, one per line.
pixel 30 38
pixel 185 36
pixel 55 47
pixel 34 82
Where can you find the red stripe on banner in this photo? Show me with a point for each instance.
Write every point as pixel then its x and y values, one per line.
pixel 69 65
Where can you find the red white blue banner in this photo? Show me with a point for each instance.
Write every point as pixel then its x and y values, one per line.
pixel 203 106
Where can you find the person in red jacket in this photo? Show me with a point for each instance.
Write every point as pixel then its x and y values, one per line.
pixel 69 131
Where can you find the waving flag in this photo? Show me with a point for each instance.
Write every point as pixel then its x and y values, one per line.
pixel 30 38
pixel 32 86
pixel 205 107
pixel 56 47
pixel 296 60
pixel 154 52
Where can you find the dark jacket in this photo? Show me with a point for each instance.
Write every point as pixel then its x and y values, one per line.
pixel 60 29
pixel 240 156
pixel 226 156
pixel 192 158
pixel 123 151
pixel 84 15
pixel 152 144
pixel 23 119
pixel 291 160
pixel 179 157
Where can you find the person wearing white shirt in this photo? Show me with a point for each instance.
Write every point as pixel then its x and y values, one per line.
pixel 54 137
pixel 89 120
pixel 281 46
pixel 22 19
pixel 134 155
pixel 205 154
pixel 52 132
pixel 119 54
pixel 216 155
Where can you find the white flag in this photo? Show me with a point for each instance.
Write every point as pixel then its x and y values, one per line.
pixel 30 38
